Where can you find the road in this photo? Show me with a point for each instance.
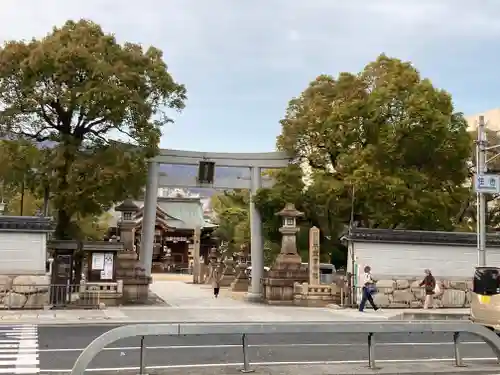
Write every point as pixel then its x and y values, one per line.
pixel 18 349
pixel 59 347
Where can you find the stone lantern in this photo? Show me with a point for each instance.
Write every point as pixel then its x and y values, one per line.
pixel 241 281
pixel 129 268
pixel 289 229
pixel 287 269
pixel 127 225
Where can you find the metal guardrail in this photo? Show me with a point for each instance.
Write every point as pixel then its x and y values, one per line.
pixel 245 329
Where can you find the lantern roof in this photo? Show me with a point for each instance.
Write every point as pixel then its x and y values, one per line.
pixel 290 211
pixel 127 206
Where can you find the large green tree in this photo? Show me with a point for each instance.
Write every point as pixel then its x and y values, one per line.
pixel 79 91
pixel 383 145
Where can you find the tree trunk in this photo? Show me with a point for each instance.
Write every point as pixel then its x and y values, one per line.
pixel 63 227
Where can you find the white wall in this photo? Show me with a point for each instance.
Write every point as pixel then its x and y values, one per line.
pixel 22 253
pixel 389 259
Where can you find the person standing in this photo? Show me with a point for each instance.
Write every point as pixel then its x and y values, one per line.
pixel 368 290
pixel 429 284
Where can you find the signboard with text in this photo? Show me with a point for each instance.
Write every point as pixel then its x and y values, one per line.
pixel 487 183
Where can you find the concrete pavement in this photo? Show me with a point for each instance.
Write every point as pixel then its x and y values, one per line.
pixel 60 346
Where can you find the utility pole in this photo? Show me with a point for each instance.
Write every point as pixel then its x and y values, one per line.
pixel 481 169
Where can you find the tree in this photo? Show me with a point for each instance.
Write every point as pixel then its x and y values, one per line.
pixel 31 205
pixel 384 142
pixel 20 161
pixel 232 216
pixel 76 91
pixel 287 188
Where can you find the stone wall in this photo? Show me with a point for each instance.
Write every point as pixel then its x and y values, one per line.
pixel 24 292
pixel 406 292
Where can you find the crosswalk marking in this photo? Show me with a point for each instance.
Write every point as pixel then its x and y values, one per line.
pixel 19 349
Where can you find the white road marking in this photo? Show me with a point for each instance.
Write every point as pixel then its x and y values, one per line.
pixel 237 364
pixel 163 347
pixel 26 358
pixel 18 349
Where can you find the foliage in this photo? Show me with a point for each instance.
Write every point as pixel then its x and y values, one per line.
pixel 385 137
pixel 287 189
pixel 31 204
pixel 18 167
pixel 77 90
pixel 231 210
pixel 92 228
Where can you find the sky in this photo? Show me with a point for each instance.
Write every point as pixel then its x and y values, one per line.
pixel 243 60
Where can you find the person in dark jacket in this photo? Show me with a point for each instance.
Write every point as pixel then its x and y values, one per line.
pixel 429 284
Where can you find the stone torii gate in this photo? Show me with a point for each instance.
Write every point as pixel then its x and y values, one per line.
pixel 207 163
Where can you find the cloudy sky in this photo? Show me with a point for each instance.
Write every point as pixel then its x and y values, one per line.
pixel 243 60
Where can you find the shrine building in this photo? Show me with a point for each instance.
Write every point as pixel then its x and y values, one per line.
pixel 176 219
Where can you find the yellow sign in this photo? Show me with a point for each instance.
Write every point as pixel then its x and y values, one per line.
pixel 485 299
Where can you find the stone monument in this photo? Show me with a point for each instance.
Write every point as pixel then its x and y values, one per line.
pixel 287 269
pixel 197 268
pixel 129 269
pixel 314 293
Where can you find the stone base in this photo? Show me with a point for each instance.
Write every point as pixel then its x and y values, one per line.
pixel 316 295
pixel 24 292
pixel 240 283
pixel 253 297
pixel 278 287
pixel 405 292
pixel 135 290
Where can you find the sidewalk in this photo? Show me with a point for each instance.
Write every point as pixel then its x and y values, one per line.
pixel 196 303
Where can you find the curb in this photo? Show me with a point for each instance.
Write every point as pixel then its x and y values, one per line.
pixel 420 315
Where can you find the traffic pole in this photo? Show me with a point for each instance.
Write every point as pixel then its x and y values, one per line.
pixel 481 209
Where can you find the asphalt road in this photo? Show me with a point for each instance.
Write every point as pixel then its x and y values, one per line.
pixel 60 346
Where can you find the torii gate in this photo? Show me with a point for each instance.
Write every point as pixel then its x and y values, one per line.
pixel 207 162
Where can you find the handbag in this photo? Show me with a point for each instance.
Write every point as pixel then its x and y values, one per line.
pixel 372 289
pixel 437 289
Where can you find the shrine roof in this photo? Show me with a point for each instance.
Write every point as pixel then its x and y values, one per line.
pixel 26 224
pixel 419 237
pixel 183 213
pixel 179 213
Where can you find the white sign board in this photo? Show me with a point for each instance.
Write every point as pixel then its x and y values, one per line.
pixel 487 183
pixel 97 261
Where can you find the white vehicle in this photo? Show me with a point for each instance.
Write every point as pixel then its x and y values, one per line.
pixel 249 271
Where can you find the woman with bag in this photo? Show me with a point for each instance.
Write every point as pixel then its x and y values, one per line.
pixel 368 290
pixel 216 276
pixel 431 288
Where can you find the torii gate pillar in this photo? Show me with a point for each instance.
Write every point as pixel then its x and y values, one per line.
pixel 255 162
